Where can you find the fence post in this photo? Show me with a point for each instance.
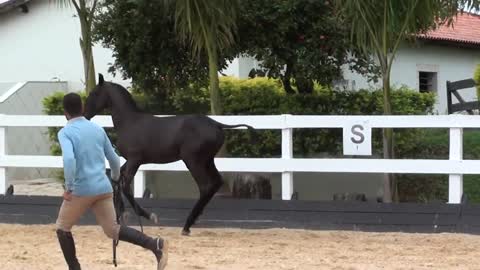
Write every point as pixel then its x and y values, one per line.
pixel 455 181
pixel 287 153
pixel 139 184
pixel 3 170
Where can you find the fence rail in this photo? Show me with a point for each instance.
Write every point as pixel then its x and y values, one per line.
pixel 455 166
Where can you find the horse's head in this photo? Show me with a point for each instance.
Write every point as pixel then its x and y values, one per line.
pixel 98 99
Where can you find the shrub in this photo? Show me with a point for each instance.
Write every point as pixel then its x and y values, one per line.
pixel 262 96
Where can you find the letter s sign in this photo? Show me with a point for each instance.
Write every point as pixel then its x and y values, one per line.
pixel 357 138
pixel 357 130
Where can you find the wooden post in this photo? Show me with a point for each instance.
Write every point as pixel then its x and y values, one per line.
pixel 287 153
pixel 462 105
pixel 455 181
pixel 449 98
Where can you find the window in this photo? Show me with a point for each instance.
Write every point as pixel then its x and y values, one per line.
pixel 427 81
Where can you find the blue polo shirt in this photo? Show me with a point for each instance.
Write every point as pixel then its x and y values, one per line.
pixel 85 145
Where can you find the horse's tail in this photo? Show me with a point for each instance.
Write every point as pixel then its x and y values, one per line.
pixel 235 126
pixel 251 130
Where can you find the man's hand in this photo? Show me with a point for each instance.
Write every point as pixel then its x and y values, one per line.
pixel 67 195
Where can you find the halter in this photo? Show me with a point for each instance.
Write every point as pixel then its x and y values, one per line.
pixel 119 210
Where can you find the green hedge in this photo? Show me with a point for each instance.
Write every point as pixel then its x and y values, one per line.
pixel 262 96
pixel 435 144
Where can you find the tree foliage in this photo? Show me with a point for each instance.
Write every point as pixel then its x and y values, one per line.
pixel 208 26
pixel 303 36
pixel 146 48
pixel 298 40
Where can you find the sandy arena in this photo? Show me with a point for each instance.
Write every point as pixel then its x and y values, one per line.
pixel 35 247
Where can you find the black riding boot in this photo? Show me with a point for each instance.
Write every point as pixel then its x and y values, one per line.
pixel 158 246
pixel 68 248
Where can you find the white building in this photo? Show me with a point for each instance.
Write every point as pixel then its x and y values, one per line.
pixel 39 41
pixel 447 54
pixel 39 55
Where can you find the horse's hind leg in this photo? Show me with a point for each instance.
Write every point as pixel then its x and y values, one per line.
pixel 128 175
pixel 209 182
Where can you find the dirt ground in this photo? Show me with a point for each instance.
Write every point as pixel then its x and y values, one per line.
pixel 35 247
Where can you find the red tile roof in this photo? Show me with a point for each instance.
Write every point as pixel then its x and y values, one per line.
pixel 465 29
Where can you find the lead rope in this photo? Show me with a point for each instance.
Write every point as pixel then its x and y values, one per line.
pixel 119 210
pixel 135 208
pixel 118 203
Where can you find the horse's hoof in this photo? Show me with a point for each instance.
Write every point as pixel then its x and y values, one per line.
pixel 186 233
pixel 154 218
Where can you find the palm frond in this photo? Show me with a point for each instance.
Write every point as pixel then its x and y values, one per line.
pixel 61 3
pixel 372 19
pixel 206 24
pixel 74 3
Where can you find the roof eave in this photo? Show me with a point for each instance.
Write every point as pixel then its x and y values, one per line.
pixel 9 5
pixel 451 42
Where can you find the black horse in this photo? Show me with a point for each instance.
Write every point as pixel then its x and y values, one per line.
pixel 144 138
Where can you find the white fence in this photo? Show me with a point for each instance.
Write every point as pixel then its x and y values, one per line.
pixel 455 166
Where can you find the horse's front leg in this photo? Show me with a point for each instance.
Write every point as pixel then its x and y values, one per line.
pixel 127 175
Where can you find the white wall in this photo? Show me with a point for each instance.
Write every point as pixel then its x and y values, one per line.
pixel 43 44
pixel 450 63
pixel 29 140
pixel 240 67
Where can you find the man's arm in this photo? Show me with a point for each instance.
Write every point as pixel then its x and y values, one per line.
pixel 69 163
pixel 112 158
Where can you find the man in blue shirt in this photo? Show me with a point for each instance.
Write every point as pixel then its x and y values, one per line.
pixel 85 146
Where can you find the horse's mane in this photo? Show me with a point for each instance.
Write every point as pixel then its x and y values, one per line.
pixel 118 89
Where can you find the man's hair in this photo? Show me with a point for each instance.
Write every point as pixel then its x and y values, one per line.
pixel 72 104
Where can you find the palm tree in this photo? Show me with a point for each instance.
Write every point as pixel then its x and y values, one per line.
pixel 85 11
pixel 378 27
pixel 208 26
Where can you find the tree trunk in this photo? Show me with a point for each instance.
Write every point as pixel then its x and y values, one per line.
pixel 286 80
pixel 388 183
pixel 215 98
pixel 215 102
pixel 88 66
pixel 216 107
pixel 86 47
pixel 304 85
pixel 91 78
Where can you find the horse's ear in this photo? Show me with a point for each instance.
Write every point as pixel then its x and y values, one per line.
pixel 100 79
